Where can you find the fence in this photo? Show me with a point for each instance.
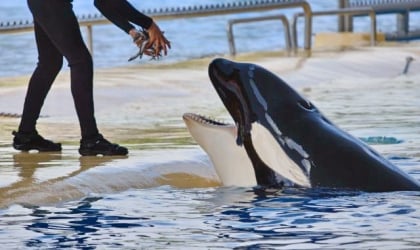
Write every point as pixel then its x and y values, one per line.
pixel 348 9
pixel 185 12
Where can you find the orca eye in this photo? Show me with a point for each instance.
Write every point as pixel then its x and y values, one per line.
pixel 306 105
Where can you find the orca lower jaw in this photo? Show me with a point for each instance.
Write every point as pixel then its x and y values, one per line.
pixel 266 178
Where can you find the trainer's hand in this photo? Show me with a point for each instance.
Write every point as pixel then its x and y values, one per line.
pixel 138 38
pixel 157 40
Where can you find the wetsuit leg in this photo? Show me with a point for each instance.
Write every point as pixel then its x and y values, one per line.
pixel 50 62
pixel 58 21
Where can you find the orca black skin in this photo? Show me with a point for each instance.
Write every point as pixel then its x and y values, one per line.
pixel 327 155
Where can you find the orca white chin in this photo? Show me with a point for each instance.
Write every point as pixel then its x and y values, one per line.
pixel 218 140
pixel 232 163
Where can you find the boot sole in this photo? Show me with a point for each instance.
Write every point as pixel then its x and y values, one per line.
pixel 95 153
pixel 29 148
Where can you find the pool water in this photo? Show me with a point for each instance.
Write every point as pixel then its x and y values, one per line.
pixel 165 195
pixel 219 218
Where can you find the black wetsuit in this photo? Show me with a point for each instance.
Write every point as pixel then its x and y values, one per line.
pixel 58 35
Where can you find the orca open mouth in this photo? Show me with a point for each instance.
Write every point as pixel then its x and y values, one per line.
pixel 226 83
pixel 205 120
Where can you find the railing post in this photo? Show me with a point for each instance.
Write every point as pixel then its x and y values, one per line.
pixel 288 39
pixel 345 23
pixel 231 41
pixel 90 38
pixel 403 20
pixel 341 19
pixel 373 30
pixel 308 27
pixel 231 38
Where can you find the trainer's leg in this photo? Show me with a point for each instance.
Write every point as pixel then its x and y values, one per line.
pixel 60 24
pixel 50 62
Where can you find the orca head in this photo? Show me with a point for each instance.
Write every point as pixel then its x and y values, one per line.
pixel 251 93
pixel 283 131
pixel 262 105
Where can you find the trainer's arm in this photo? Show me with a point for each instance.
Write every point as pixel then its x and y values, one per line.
pixel 122 14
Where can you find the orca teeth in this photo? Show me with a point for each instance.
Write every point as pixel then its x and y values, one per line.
pixel 205 119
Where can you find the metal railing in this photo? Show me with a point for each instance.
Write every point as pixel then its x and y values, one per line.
pixel 186 12
pixel 383 5
pixel 355 8
pixel 339 12
pixel 282 18
pixel 401 8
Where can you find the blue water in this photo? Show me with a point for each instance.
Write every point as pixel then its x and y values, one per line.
pixel 221 218
pixel 122 209
pixel 190 38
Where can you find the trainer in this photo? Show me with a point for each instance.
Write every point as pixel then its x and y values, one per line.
pixel 57 35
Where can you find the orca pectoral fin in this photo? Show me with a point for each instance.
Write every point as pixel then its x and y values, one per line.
pixel 273 155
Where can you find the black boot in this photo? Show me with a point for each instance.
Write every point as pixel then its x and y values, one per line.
pixel 98 145
pixel 33 141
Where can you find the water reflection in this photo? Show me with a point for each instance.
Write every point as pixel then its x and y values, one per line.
pixel 72 227
pixel 319 220
pixel 87 162
pixel 27 164
pixel 37 174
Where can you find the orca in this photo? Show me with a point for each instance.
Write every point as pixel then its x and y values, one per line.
pixel 284 134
